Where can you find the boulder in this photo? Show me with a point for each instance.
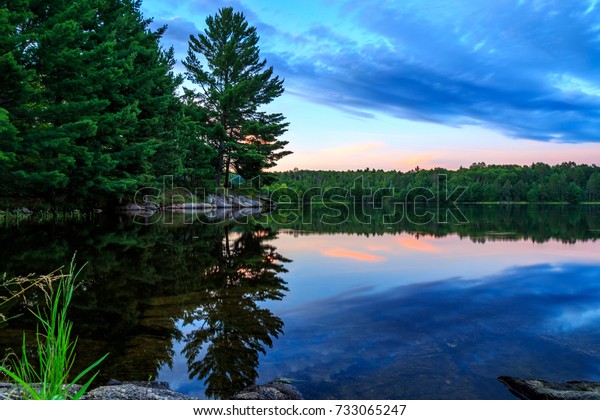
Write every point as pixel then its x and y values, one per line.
pixel 150 390
pixel 154 390
pixel 240 201
pixel 275 390
pixel 537 389
pixel 10 391
pixel 221 202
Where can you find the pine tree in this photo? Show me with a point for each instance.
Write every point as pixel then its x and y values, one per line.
pixel 233 86
pixel 91 95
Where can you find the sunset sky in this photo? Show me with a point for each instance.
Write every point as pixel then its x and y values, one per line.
pixel 396 84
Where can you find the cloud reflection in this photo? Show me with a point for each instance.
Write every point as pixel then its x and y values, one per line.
pixel 353 255
pixel 449 339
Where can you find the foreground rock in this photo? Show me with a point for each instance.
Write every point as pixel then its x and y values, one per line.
pixel 135 391
pixel 154 390
pixel 276 390
pixel 10 391
pixel 536 389
pixel 113 391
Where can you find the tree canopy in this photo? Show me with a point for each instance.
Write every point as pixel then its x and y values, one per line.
pixel 535 183
pixel 91 110
pixel 224 62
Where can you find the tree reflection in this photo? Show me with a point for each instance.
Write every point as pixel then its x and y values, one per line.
pixel 232 328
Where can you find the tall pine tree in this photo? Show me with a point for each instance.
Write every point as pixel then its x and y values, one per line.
pixel 234 83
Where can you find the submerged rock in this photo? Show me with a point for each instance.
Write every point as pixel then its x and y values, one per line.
pixel 537 389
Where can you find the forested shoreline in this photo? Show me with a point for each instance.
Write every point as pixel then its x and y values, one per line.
pixel 480 183
pixel 91 109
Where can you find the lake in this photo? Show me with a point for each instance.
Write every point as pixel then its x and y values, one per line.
pixel 348 306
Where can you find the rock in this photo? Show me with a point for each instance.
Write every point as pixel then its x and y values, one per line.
pixel 232 201
pixel 221 202
pixel 153 390
pixel 116 390
pixel 14 392
pixel 151 206
pixel 537 389
pixel 240 201
pixel 131 207
pixel 275 390
pixel 147 210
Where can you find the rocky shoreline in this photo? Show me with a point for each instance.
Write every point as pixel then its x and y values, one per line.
pixel 537 389
pixel 214 204
pixel 154 390
pixel 148 207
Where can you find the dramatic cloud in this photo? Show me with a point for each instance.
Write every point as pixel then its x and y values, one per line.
pixel 178 31
pixel 523 68
pixel 527 69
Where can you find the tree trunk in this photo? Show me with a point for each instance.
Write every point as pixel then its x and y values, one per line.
pixel 219 168
pixel 227 165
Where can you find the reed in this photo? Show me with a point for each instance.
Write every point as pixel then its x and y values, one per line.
pixel 49 378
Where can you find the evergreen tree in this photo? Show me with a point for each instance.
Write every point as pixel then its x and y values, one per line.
pixel 91 95
pixel 234 84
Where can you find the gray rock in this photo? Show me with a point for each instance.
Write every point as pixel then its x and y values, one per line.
pixel 10 391
pixel 537 389
pixel 153 390
pixel 240 201
pixel 131 207
pixel 276 390
pixel 135 391
pixel 151 206
pixel 221 202
pixel 232 201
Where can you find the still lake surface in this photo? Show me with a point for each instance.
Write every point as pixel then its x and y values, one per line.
pixel 349 308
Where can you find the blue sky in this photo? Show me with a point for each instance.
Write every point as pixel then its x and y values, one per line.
pixel 395 84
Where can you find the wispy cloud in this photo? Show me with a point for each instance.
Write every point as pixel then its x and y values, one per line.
pixel 526 69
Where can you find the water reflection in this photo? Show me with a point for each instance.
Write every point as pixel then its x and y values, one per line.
pixel 447 339
pixel 373 310
pixel 142 279
pixel 228 321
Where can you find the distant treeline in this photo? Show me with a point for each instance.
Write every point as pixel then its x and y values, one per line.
pixel 539 182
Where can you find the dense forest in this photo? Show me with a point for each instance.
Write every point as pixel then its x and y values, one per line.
pixel 91 109
pixel 539 182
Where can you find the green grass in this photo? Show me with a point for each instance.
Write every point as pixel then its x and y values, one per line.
pixel 55 350
pixel 16 218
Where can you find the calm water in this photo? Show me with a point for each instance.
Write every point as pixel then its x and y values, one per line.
pixel 348 309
